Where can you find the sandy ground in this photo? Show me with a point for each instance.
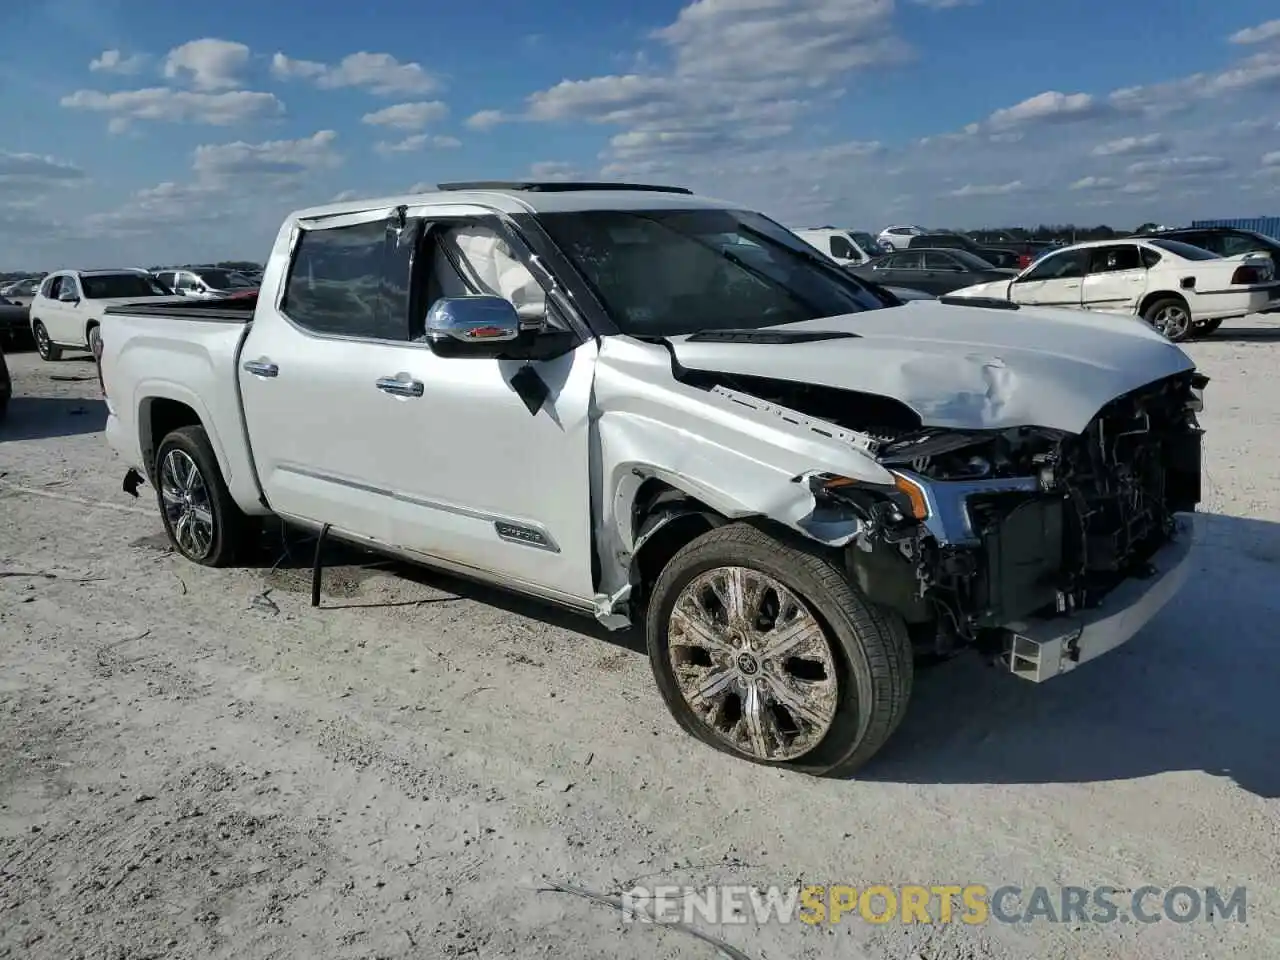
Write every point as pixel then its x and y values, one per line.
pixel 195 763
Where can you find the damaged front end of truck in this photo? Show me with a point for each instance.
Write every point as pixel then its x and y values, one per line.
pixel 1017 541
pixel 1043 546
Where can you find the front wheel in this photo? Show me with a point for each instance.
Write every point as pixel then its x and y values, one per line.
pixel 1171 316
pixel 202 521
pixel 1208 327
pixel 44 346
pixel 765 650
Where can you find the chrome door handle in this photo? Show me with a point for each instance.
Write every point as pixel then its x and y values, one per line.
pixel 400 388
pixel 261 368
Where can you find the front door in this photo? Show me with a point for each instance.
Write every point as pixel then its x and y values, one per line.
pixel 62 314
pixel 1052 282
pixel 354 423
pixel 1117 279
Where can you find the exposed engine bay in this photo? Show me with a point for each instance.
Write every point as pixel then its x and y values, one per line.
pixel 1075 515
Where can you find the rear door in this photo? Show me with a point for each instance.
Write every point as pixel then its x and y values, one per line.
pixel 905 268
pixel 943 273
pixel 1054 281
pixel 1116 279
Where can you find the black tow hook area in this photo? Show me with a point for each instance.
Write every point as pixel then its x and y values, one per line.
pixel 132 479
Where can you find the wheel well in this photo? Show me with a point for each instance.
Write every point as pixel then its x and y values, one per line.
pixel 1151 298
pixel 160 417
pixel 665 520
pixel 89 326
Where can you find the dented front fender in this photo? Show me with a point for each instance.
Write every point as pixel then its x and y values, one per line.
pixel 738 455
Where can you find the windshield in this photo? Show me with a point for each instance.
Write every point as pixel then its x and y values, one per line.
pixel 867 242
pixel 672 272
pixel 107 286
pixel 223 279
pixel 1184 250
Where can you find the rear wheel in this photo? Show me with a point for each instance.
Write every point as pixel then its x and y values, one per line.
pixel 92 337
pixel 765 650
pixel 44 346
pixel 1171 316
pixel 202 521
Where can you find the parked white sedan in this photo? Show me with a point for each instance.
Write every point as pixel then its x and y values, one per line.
pixel 67 309
pixel 1179 289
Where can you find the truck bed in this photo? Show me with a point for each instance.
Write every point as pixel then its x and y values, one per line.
pixel 158 358
pixel 239 310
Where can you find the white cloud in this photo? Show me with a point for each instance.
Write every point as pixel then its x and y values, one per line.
pixel 735 39
pixel 208 63
pixel 114 61
pixel 1145 145
pixel 176 106
pixel 167 204
pixel 416 142
pixel 379 73
pixel 344 195
pixel 485 120
pixel 1179 166
pixel 1271 159
pixel 422 186
pixel 987 189
pixel 1093 183
pixel 1048 107
pixel 1262 33
pixel 272 159
pixel 1140 187
pixel 945 4
pixel 32 168
pixel 739 73
pixel 408 116
pixel 554 170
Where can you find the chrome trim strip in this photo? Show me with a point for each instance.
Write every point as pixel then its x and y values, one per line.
pixel 457 510
pixel 947 500
pixel 458 568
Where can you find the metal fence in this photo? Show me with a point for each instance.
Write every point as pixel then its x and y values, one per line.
pixel 1269 226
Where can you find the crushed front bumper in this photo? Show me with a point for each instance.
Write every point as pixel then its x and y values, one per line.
pixel 1040 649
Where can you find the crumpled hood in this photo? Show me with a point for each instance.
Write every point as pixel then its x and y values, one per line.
pixel 964 367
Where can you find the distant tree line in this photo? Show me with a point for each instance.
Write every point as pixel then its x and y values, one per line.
pixel 14 275
pixel 1066 232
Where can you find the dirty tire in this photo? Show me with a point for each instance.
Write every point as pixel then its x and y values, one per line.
pixel 45 346
pixel 1171 316
pixel 869 645
pixel 232 530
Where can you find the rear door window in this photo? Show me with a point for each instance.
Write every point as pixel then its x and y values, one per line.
pixel 335 284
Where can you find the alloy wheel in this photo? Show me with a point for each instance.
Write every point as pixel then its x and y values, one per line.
pixel 187 505
pixel 42 341
pixel 1173 321
pixel 753 663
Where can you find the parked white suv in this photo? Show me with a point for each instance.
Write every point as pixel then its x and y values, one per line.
pixel 899 238
pixel 66 311
pixel 656 408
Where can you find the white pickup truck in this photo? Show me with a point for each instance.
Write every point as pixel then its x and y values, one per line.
pixel 654 407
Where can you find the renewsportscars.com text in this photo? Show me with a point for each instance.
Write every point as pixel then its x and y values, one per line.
pixel 909 903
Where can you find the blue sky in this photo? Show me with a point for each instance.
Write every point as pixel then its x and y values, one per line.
pixel 135 131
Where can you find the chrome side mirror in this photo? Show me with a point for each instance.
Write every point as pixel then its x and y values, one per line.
pixel 471 326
